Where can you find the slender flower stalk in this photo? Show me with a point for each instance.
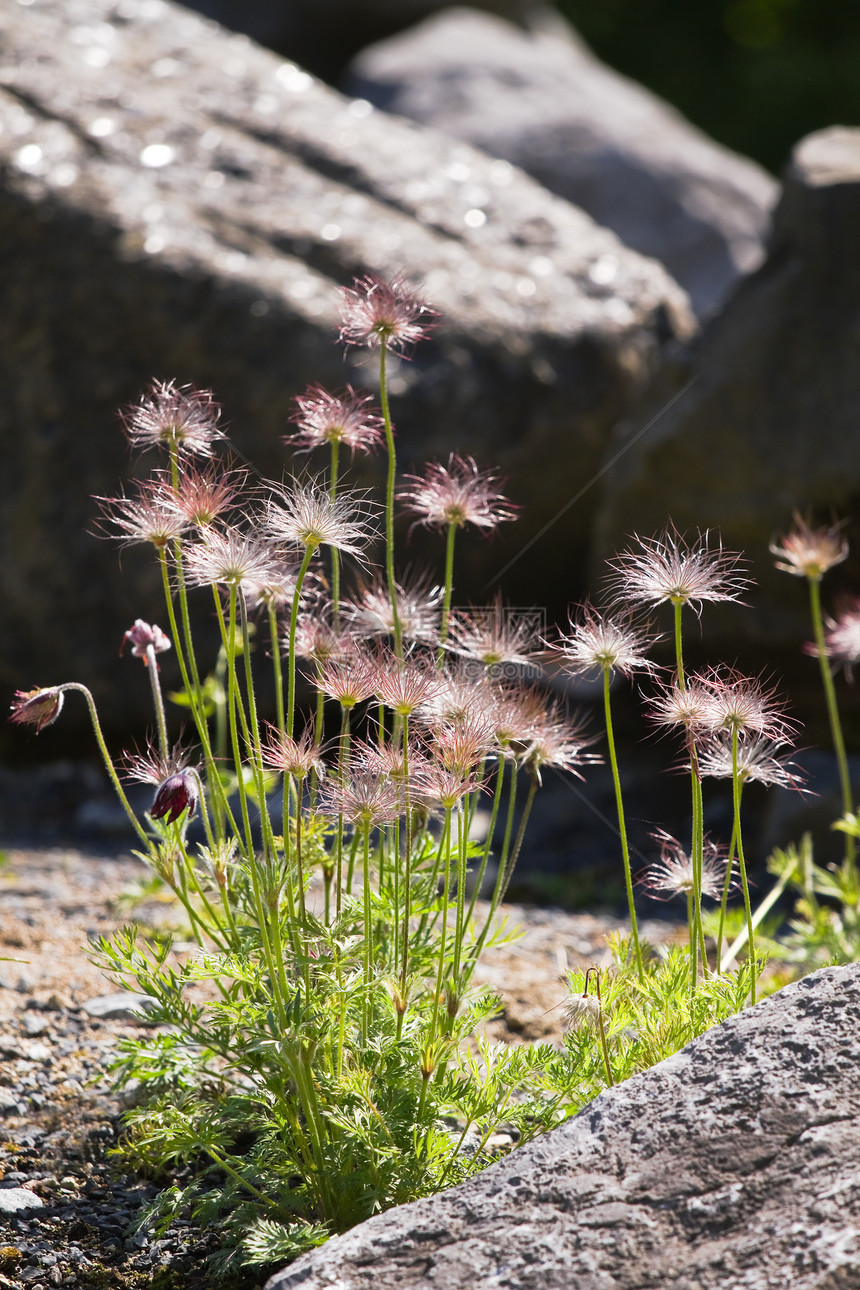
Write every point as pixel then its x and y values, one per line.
pixel 601 643
pixel 385 316
pixel 41 707
pixel 450 497
pixel 807 552
pixel 146 641
pixel 586 1010
pixel 742 707
pixel 756 758
pixel 670 569
pixel 306 514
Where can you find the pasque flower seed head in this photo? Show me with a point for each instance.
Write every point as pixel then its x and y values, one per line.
pixel 174 416
pixel 377 314
pixel 323 418
pixel 305 513
pixel 669 568
pixel 807 552
pixel 674 874
pixel 457 494
pixel 600 642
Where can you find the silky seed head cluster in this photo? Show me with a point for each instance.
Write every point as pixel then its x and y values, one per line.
pixel 668 568
pixel 808 552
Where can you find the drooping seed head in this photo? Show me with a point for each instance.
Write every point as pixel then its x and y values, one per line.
pixel 38 707
pixel 581 1010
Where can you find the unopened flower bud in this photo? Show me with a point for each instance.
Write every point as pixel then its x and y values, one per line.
pixel 37 707
pixel 176 794
pixel 141 637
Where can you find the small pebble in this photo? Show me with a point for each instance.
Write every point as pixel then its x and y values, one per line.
pixel 125 1005
pixel 14 1200
pixel 34 1024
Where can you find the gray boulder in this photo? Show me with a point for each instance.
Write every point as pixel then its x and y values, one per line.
pixel 323 35
pixel 732 1164
pixel 176 202
pixel 541 99
pixel 768 415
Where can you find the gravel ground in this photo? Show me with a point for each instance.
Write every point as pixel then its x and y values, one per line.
pixel 65 1216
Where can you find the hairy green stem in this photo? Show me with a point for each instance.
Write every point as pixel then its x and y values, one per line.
pixel 389 504
pixel 106 758
pixel 833 716
pixel 291 658
pixel 335 554
pixel 622 826
pixel 736 798
pixel 449 589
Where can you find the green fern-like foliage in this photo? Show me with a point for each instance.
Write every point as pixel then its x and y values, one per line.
pixel 222 1085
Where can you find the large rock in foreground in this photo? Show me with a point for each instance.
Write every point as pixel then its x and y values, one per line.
pixel 176 202
pixel 733 1164
pixel 542 100
pixel 768 415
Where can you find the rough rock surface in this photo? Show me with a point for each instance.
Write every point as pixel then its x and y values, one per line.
pixel 542 100
pixel 176 202
pixel 323 34
pixel 732 1164
pixel 771 419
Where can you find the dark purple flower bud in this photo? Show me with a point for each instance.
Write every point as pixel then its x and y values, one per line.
pixel 176 794
pixel 37 707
